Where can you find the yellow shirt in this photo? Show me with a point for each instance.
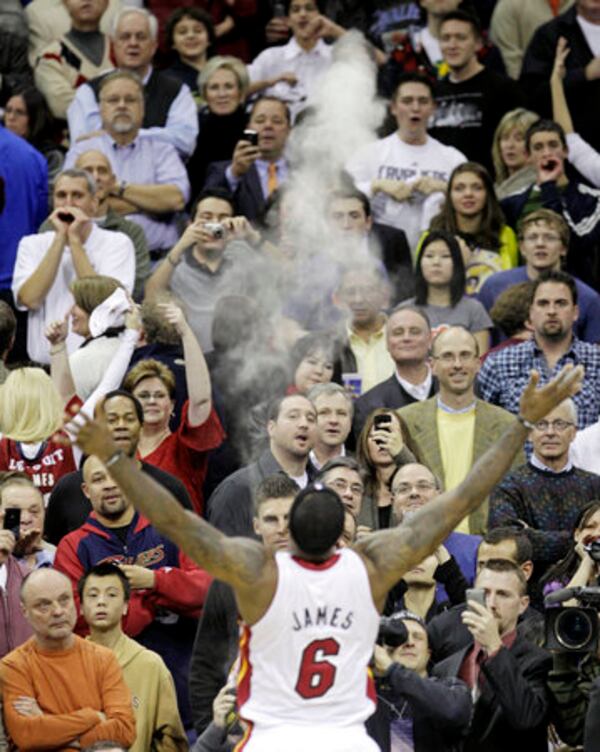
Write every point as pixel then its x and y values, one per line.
pixel 373 361
pixel 456 432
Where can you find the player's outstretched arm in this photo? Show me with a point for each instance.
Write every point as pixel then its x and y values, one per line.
pixel 390 553
pixel 240 562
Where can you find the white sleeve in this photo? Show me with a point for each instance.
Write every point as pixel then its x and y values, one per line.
pixel 29 255
pixel 112 378
pixel 363 168
pixel 83 114
pixel 584 158
pixel 120 262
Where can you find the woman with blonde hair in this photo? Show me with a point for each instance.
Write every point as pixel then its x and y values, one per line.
pixel 223 85
pixel 90 361
pixel 513 173
pixel 32 406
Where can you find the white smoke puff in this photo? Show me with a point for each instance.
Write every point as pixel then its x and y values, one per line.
pixel 346 114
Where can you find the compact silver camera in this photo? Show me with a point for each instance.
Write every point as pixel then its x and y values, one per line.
pixel 215 229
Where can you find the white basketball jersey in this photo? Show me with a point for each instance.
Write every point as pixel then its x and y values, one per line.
pixel 306 660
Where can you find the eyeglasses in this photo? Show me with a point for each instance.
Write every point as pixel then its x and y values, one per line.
pixel 146 396
pixel 356 489
pixel 405 488
pixel 556 425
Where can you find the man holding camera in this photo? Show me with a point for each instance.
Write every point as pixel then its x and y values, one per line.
pixel 214 257
pixel 258 165
pixel 413 708
pixel 48 262
pixel 506 673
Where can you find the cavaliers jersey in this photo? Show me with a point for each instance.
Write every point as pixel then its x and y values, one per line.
pixel 306 660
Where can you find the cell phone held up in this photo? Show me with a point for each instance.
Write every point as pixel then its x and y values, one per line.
pixel 12 521
pixel 475 595
pixel 251 137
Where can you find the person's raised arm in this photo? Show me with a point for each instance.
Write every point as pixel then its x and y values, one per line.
pixel 240 562
pixel 390 553
pixel 560 108
pixel 160 279
pixel 197 376
pixel 35 288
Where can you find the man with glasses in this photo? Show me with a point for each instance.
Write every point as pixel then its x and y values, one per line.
pixel 543 243
pixel 451 430
pixel 343 475
pixel 152 183
pixel 414 485
pixel 546 495
pixel 553 312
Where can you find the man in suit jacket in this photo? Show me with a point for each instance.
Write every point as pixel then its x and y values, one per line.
pixel 506 673
pixel 350 214
pixel 408 337
pixel 452 430
pixel 255 171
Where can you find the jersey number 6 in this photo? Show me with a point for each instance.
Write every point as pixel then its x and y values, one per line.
pixel 316 675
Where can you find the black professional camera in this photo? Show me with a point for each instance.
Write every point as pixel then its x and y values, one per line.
pixel 575 629
pixel 593 549
pixel 392 631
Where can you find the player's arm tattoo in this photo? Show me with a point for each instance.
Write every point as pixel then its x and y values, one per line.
pixel 237 561
pixel 393 552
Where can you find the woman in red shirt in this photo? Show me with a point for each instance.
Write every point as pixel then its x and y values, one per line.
pixel 183 453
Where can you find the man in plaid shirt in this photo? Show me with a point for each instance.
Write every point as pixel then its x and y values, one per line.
pixel 553 312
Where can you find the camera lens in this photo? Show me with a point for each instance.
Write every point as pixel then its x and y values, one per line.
pixel 573 629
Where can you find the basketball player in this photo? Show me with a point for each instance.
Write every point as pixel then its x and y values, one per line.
pixel 312 613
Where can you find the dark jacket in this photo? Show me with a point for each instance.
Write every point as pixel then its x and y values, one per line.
pixel 440 709
pixel 248 196
pixel 391 246
pixel 447 634
pixel 511 712
pixel 580 206
pixel 537 67
pixel 231 505
pixel 215 650
pixel 390 393
pixel 15 73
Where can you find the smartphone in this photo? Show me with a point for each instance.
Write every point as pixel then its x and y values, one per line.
pixel 251 137
pixel 12 520
pixel 477 595
pixel 382 422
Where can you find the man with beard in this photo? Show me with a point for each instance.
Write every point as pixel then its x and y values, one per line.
pixel 553 312
pixel 152 183
pixel 168 589
pixel 68 507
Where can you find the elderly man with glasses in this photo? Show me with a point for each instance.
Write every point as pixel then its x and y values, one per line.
pixel 546 495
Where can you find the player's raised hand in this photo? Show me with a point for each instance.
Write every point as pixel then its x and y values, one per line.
pixel 537 402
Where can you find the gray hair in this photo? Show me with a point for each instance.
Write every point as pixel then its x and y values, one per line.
pixel 329 390
pixel 150 17
pixel 229 63
pixel 74 172
pixel 568 402
pixel 116 75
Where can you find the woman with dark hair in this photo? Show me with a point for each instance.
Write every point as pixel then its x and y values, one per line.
pixel 381 448
pixel 440 289
pixel 578 568
pixel 27 115
pixel 472 213
pixel 311 362
pixel 190 36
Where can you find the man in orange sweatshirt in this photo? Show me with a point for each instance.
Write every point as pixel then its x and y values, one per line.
pixel 61 692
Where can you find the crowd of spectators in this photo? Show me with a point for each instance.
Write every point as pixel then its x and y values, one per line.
pixel 272 243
